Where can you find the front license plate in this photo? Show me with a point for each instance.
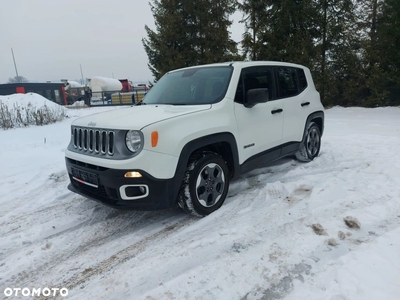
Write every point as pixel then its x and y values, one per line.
pixel 84 177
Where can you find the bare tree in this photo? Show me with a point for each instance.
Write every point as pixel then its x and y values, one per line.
pixel 17 79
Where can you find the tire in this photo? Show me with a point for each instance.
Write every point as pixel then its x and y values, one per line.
pixel 311 144
pixel 205 184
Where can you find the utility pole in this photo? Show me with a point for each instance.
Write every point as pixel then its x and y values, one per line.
pixel 83 81
pixel 15 65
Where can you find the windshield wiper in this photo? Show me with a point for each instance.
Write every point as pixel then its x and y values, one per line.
pixel 173 103
pixel 140 103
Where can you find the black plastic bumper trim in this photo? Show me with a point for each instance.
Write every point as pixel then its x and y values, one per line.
pixel 162 192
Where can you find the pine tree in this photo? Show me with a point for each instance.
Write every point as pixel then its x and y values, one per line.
pixel 255 19
pixel 369 16
pixel 388 45
pixel 290 32
pixel 189 33
pixel 338 46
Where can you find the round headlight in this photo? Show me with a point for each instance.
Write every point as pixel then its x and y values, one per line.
pixel 134 141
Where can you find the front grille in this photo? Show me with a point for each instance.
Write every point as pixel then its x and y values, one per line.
pixel 95 141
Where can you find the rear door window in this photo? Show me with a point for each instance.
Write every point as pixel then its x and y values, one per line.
pixel 287 82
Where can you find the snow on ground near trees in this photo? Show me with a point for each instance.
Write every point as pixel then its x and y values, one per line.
pixel 260 245
pixel 22 100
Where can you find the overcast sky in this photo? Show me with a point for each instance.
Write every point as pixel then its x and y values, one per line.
pixel 51 38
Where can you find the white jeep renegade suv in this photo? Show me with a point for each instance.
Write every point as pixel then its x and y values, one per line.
pixel 196 130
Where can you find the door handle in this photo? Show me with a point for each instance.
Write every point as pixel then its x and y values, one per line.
pixel 276 111
pixel 305 103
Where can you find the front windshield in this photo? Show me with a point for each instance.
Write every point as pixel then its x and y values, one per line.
pixel 202 85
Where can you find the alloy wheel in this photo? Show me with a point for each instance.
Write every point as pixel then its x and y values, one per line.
pixel 313 141
pixel 210 184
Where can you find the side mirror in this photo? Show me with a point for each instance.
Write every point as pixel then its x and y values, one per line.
pixel 255 96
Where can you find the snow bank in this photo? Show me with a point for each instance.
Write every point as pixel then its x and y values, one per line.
pixel 21 110
pixel 30 99
pixel 78 104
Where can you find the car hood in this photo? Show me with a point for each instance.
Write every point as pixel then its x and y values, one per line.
pixel 137 117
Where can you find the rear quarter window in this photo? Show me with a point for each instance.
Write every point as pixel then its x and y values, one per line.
pixel 302 80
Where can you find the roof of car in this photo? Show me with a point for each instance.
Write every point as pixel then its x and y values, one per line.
pixel 244 64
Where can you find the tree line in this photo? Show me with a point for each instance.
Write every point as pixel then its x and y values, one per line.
pixel 17 79
pixel 351 46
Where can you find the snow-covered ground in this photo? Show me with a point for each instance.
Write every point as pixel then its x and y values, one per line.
pixel 260 245
pixel 28 100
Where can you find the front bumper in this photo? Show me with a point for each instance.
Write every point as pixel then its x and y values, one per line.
pixel 107 187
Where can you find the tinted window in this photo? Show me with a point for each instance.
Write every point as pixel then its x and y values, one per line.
pixel 287 82
pixel 255 78
pixel 302 79
pixel 58 98
pixel 239 96
pixel 49 95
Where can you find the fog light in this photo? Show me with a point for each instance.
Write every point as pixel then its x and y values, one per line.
pixel 132 175
pixel 142 189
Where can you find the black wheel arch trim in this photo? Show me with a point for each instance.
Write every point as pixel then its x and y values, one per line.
pixel 203 142
pixel 316 115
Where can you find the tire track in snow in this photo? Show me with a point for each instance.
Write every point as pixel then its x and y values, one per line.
pixel 124 255
pixel 44 214
pixel 115 227
pixel 37 214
